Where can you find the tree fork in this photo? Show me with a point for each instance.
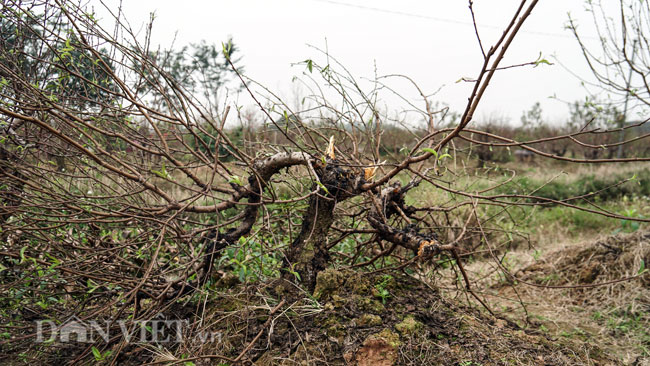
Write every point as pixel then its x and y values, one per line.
pixel 308 253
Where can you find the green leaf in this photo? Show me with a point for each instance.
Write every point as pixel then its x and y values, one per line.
pixel 310 65
pixel 431 151
pixel 444 156
pixel 541 60
pixel 22 254
pixel 235 179
pixel 55 261
pixel 642 268
pixel 92 285
pixel 322 186
pixel 162 173
pixel 227 48
pixel 97 354
pixel 293 272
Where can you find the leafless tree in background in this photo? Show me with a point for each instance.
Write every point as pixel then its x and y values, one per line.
pixel 619 60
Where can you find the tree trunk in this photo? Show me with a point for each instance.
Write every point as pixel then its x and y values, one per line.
pixel 308 253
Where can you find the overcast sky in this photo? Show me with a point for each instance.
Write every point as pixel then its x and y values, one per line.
pixel 433 42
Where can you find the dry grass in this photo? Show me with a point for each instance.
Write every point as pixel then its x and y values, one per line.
pixel 615 316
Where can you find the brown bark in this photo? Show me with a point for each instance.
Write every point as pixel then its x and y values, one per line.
pixel 309 253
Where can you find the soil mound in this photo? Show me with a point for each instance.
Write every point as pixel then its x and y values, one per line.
pixel 606 294
pixel 615 257
pixel 369 319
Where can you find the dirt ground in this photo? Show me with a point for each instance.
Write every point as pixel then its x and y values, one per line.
pixel 400 318
pixel 374 319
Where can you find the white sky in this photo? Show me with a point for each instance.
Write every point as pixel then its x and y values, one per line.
pixel 433 42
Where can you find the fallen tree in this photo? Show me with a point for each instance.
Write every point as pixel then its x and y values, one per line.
pixel 124 192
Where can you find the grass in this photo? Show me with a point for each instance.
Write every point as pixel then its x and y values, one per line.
pixel 554 181
pixel 616 316
pixel 549 228
pixel 613 316
pixel 599 188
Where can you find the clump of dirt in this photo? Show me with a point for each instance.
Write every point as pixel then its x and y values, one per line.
pixel 604 296
pixel 367 319
pixel 609 259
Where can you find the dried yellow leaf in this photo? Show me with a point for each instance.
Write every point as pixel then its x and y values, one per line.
pixel 369 173
pixel 330 149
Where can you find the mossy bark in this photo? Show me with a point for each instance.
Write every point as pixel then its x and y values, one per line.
pixel 308 253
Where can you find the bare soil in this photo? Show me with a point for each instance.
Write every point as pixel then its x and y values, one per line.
pixel 375 319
